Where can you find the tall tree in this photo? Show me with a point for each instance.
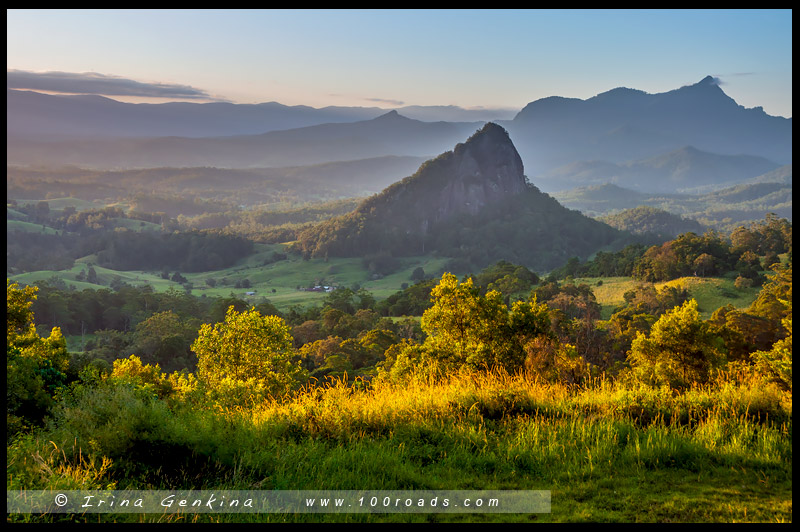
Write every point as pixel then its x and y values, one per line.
pixel 248 349
pixel 679 351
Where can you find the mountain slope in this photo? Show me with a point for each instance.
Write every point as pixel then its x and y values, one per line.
pixel 472 203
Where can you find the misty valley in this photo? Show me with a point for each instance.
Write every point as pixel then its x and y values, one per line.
pixel 592 297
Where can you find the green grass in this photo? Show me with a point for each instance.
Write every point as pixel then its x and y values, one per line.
pixel 610 293
pixel 62 203
pixel 29 227
pixel 720 453
pixel 711 293
pixel 284 277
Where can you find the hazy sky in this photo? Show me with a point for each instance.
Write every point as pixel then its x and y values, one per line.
pixel 390 58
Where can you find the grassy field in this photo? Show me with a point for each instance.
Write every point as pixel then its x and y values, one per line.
pixel 711 293
pixel 283 283
pixel 607 452
pixel 58 204
pixel 28 227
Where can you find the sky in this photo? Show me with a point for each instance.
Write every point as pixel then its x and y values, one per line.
pixel 393 58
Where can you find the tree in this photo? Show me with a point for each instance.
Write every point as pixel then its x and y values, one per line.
pixel 467 329
pixel 704 263
pixel 42 211
pixel 679 351
pixel 774 303
pixel 777 362
pixel 91 275
pixel 454 325
pixel 164 339
pixel 35 366
pixel 248 351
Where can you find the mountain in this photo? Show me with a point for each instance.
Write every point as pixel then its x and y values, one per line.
pixel 681 170
pixel 388 134
pixel 625 124
pixel 37 116
pixel 473 204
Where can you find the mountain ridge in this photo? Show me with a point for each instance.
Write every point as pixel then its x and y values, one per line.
pixel 627 124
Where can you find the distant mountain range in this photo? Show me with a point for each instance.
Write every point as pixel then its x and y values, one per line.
pixel 36 116
pixel 694 136
pixel 626 124
pixel 388 134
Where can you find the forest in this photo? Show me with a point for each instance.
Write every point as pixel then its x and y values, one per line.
pixel 500 378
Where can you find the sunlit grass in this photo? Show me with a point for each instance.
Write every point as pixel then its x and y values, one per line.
pixel 607 451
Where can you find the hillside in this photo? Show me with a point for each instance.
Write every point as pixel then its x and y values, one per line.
pixel 473 203
pixel 643 219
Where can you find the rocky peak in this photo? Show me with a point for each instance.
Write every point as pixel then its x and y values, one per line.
pixel 485 169
pixel 489 159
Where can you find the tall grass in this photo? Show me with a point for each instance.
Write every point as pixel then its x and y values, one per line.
pixel 472 431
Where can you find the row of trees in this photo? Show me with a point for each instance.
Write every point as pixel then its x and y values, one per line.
pixel 126 250
pixel 747 251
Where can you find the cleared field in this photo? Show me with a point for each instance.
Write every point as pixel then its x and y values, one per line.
pixel 284 283
pixel 28 227
pixel 711 293
pixel 62 203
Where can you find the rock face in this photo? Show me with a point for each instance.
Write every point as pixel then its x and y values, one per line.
pixel 481 171
pixel 487 168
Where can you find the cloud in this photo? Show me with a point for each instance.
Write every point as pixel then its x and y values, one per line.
pixel 719 81
pixel 94 83
pixel 385 100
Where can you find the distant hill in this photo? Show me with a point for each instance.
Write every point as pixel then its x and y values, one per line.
pixel 682 170
pixel 626 124
pixel 249 187
pixel 388 134
pixel 473 203
pixel 597 200
pixel 643 220
pixel 720 209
